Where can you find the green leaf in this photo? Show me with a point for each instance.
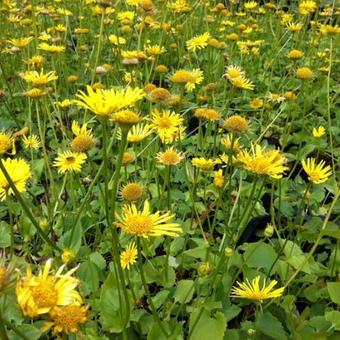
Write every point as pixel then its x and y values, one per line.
pixel 334 291
pixel 89 274
pixel 206 327
pixel 98 259
pixel 159 298
pixel 31 332
pixel 111 314
pixel 5 232
pixel 184 291
pixel 267 324
pixel 259 255
pixel 334 318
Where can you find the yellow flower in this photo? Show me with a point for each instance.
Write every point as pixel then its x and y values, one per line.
pixel 105 103
pixel 250 5
pixel 6 142
pixel 236 124
pixel 179 6
pixel 306 7
pixel 242 83
pixel 204 164
pixel 317 173
pixel 208 114
pixel 295 54
pixel 219 178
pixel 268 163
pixel 319 132
pixel 68 256
pixel 39 79
pixel 83 140
pixel 159 95
pixel 19 171
pixel 155 50
pixel 131 192
pixel 40 294
pixel 256 103
pixel 169 157
pixel 145 224
pixel 252 291
pixel 31 142
pixel 137 133
pixel 128 158
pixel 198 42
pixel 125 118
pixel 189 78
pixel 233 71
pixel 294 27
pixel 51 48
pixel 35 93
pixel 129 256
pixel 35 61
pixel 167 124
pixel 69 161
pixel 231 144
pixel 67 319
pixel 304 73
pixel 20 42
pixel 117 40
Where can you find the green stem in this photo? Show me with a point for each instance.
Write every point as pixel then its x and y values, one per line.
pixel 146 289
pixel 3 332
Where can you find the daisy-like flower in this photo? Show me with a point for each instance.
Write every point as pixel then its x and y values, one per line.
pixel 69 161
pixel 6 142
pixel 137 133
pixel 83 140
pixel 144 224
pixel 242 83
pixel 105 103
pixel 19 171
pixel 117 40
pixel 253 291
pixel 234 71
pixel 167 125
pixel 154 50
pixel 319 132
pixel 295 54
pixel 31 142
pixel 170 157
pixel 198 42
pixel 129 256
pixel 256 103
pixel 236 124
pixel 131 192
pixel 126 118
pixel 306 7
pixel 39 79
pixel 40 294
pixel 268 163
pixel 189 78
pixel 204 164
pixel 67 319
pixel 250 5
pixel 180 6
pixel 20 42
pixel 275 97
pixel 219 178
pixel 317 173
pixel 294 27
pixel 208 114
pixel 304 73
pixel 231 144
pixel 51 48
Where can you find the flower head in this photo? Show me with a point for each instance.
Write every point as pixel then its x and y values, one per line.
pixel 167 125
pixel 69 161
pixel 31 142
pixel 236 124
pixel 169 157
pixel 6 142
pixel 132 192
pixel 317 173
pixel 189 78
pixel 19 171
pixel 198 42
pixel 83 140
pixel 269 163
pixel 304 73
pixel 40 294
pixel 39 79
pixel 137 133
pixel 144 224
pixel 67 319
pixel 105 103
pixel 204 164
pixel 252 291
pixel 319 132
pixel 128 256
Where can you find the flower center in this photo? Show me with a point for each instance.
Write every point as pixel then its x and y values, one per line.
pixel 45 295
pixel 314 176
pixel 139 224
pixel 70 160
pixel 68 318
pixel 164 122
